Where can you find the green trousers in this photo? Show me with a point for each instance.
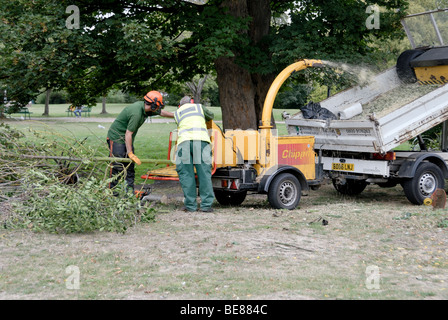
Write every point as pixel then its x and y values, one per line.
pixel 195 154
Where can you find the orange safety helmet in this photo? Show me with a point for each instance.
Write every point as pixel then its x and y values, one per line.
pixel 155 99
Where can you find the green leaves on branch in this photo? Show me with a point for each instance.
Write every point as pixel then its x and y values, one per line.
pixel 336 30
pixel 46 193
pixel 59 208
pixel 140 45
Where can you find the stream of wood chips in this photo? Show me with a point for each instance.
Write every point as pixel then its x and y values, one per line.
pixel 394 99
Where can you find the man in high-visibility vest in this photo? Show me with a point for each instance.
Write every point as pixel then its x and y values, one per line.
pixel 194 151
pixel 123 130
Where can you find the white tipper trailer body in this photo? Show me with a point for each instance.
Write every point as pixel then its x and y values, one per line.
pixel 359 150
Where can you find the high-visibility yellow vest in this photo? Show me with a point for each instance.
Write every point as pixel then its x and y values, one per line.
pixel 191 125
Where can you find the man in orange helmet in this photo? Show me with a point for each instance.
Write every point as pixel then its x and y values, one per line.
pixel 123 130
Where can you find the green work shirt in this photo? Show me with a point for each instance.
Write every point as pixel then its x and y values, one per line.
pixel 131 118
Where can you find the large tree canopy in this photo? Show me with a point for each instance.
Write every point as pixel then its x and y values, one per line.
pixel 148 44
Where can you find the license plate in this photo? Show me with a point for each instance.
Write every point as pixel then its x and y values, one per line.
pixel 343 166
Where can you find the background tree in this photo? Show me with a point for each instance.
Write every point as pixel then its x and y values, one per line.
pixel 196 85
pixel 47 102
pixel 148 45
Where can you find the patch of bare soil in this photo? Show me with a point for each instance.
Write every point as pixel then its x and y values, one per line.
pixel 375 246
pixel 327 235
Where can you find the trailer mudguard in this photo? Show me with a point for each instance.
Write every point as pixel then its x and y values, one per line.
pixel 265 182
pixel 408 168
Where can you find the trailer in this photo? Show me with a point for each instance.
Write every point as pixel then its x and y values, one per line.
pixel 362 144
pixel 356 152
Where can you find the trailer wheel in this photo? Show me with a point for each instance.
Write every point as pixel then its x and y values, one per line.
pixel 284 192
pixel 228 198
pixel 351 187
pixel 428 177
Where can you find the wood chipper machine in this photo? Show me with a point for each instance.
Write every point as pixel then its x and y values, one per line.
pixel 258 161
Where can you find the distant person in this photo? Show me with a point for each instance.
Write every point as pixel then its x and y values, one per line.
pixel 78 111
pixel 123 130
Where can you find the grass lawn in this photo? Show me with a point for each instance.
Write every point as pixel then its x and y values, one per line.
pixel 60 110
pixel 113 109
pixel 151 141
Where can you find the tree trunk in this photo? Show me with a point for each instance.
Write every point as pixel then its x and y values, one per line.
pixel 47 103
pixel 242 93
pixel 103 110
pixel 236 92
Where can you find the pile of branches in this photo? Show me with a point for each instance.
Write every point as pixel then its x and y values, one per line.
pixel 50 182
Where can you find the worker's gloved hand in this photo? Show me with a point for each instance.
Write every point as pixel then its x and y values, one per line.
pixel 134 158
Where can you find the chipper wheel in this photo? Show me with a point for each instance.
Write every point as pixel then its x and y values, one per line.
pixel 284 192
